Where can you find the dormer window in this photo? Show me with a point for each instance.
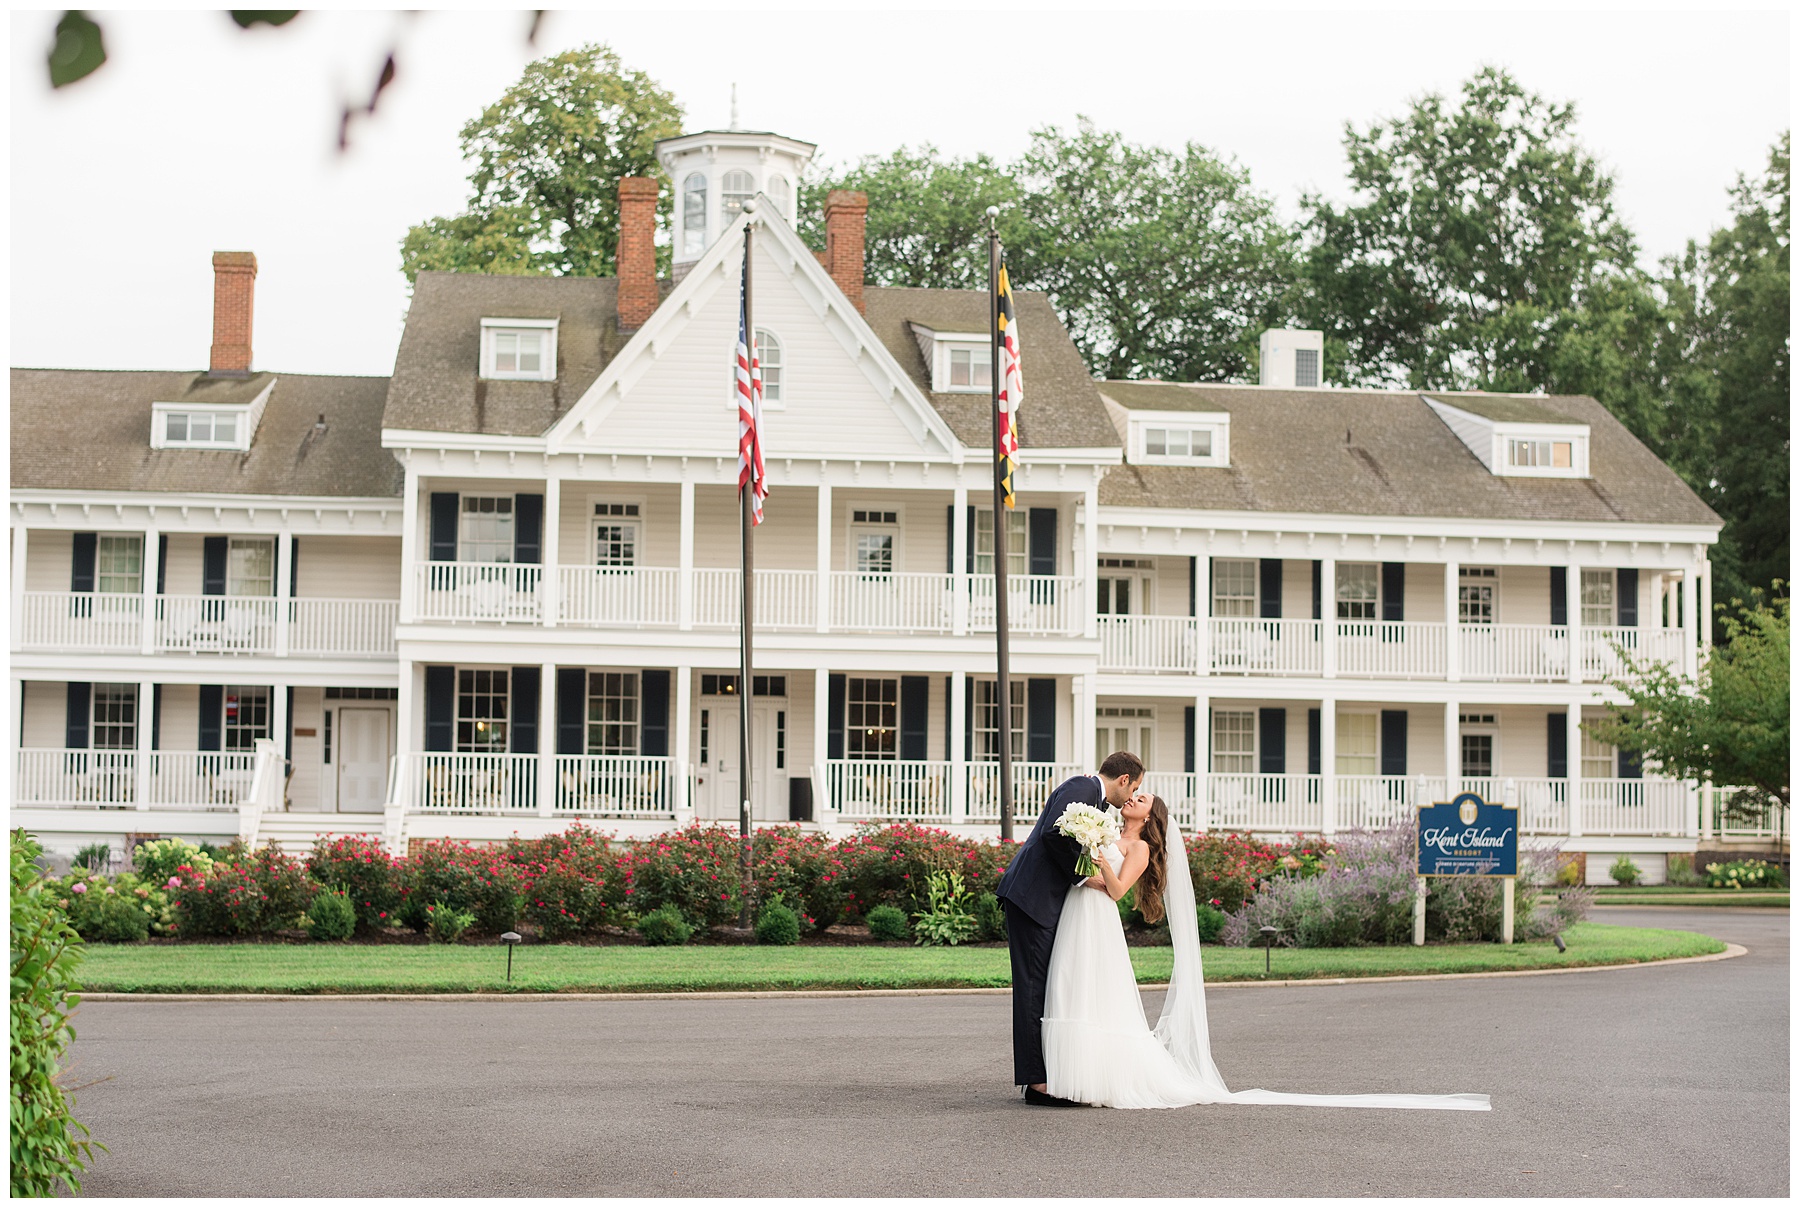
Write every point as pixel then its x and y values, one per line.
pixel 518 349
pixel 1178 442
pixel 1515 436
pixel 693 215
pixel 200 428
pixel 735 188
pixel 1181 439
pixel 1557 454
pixel 971 368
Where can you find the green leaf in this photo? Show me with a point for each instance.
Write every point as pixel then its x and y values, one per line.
pixel 78 51
pixel 246 17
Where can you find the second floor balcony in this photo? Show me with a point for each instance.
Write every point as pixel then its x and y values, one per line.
pixel 120 623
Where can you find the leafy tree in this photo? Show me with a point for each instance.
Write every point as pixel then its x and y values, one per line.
pixel 548 156
pixel 1729 726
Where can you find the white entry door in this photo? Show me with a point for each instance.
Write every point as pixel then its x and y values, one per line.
pixel 362 760
pixel 717 795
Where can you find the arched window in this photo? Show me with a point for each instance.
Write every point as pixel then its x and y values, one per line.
pixel 735 189
pixel 781 194
pixel 768 357
pixel 693 215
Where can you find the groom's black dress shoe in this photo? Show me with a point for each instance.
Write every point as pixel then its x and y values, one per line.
pixel 1039 1098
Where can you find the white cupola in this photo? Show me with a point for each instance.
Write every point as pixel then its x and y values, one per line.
pixel 716 171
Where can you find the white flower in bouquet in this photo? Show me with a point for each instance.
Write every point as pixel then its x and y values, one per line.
pixel 1091 827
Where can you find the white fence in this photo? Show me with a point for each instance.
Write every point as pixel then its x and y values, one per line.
pixel 1147 643
pixel 89 620
pixel 343 628
pixel 478 591
pixel 618 595
pixel 443 782
pixel 615 786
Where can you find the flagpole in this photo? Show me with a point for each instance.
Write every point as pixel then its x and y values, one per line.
pixel 746 685
pixel 1002 668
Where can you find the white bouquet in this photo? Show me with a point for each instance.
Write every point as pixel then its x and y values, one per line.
pixel 1093 828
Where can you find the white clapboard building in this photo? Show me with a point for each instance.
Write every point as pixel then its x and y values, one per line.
pixel 497 592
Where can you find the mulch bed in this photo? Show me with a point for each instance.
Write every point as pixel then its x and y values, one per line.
pixel 840 935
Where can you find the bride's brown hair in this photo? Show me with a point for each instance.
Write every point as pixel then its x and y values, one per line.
pixel 1149 889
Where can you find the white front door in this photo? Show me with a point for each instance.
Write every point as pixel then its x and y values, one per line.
pixel 362 760
pixel 717 794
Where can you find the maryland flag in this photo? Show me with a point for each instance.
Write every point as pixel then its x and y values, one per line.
pixel 1012 387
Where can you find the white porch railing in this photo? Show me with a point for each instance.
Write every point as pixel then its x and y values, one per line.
pixel 1032 785
pixel 1514 652
pixel 1391 649
pixel 216 624
pixel 201 779
pixel 618 595
pixel 1373 802
pixel 496 592
pixel 1045 605
pixel 785 599
pixel 444 782
pixel 87 620
pixel 188 780
pixel 1264 802
pixel 1180 791
pixel 1266 647
pixel 892 789
pixel 904 603
pixel 1600 654
pixel 614 786
pixel 1634 807
pixel 342 628
pixel 1768 824
pixel 1146 643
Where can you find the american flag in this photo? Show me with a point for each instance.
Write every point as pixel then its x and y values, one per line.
pixel 1012 387
pixel 748 388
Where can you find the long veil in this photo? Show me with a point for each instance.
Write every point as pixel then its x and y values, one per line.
pixel 1182 1027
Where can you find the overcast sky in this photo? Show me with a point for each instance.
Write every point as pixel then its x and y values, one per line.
pixel 196 136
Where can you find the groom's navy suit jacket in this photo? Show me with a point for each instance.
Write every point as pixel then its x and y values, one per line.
pixel 1038 879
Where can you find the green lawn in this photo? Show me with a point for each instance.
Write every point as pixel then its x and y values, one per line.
pixel 326 968
pixel 1686 895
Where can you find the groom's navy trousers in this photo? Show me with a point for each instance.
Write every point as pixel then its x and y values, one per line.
pixel 1032 892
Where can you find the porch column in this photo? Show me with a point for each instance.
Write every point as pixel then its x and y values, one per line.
pixel 1656 600
pixel 411 543
pixel 20 539
pixel 279 726
pixel 1086 714
pixel 550 537
pixel 548 783
pixel 146 720
pixel 959 562
pixel 406 741
pixel 1202 760
pixel 1574 594
pixel 682 750
pixel 284 594
pixel 1452 621
pixel 1328 617
pixel 1328 795
pixel 1702 618
pixel 684 577
pixel 822 555
pixel 152 569
pixel 17 698
pixel 1090 562
pixel 1202 617
pixel 958 753
pixel 1452 750
pixel 1574 745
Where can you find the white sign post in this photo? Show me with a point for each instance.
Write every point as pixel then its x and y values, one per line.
pixel 1506 910
pixel 1418 912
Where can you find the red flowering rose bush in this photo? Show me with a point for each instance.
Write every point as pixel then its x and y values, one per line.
pixel 892 865
pixel 572 883
pixel 479 880
pixel 804 869
pixel 370 878
pixel 694 869
pixel 245 893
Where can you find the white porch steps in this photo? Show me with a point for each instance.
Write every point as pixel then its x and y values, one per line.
pixel 298 833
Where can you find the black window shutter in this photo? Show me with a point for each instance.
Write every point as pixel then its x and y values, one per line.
pixel 835 693
pixel 1193 750
pixel 1041 529
pixel 949 538
pixel 527 683
pixel 968 717
pixel 1628 596
pixel 571 711
pixel 212 717
pixel 528 529
pixel 75 736
pixel 443 527
pixel 1558 736
pixel 915 708
pixel 969 549
pixel 156 717
pixel 294 567
pixel 287 740
pixel 81 562
pixel 440 708
pixel 1270 569
pixel 1315 750
pixel 1631 765
pixel 656 712
pixel 1193 590
pixel 212 565
pixel 162 561
pixel 1393 742
pixel 1040 720
pixel 1318 590
pixel 1272 727
pixel 949 747
pixel 1559 595
pixel 1393 591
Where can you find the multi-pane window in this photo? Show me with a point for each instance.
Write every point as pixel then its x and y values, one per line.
pixel 119 563
pixel 1477 733
pixel 1475 590
pixel 1123 594
pixel 1598 759
pixel 615 534
pixel 873 540
pixel 200 428
pixel 1125 728
pixel 780 739
pixel 1234 587
pixel 482 700
pixel 1358 590
pixel 1358 744
pixel 487 529
pixel 115 717
pixel 1178 442
pixel 1557 454
pixel 768 360
pixel 735 188
pixel 727 685
pixel 871 718
pixel 246 717
pixel 693 215
pixel 987 731
pixel 518 351
pixel 781 193
pixel 1234 741
pixel 1115 596
pixel 971 369
pixel 250 567
pixel 1016 539
pixel 1597 597
pixel 612 713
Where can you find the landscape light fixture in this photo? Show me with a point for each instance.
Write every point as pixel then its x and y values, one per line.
pixel 510 938
pixel 1558 941
pixel 1268 935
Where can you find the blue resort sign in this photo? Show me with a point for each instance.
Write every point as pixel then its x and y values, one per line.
pixel 1468 837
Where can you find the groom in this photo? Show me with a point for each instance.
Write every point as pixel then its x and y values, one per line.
pixel 1031 893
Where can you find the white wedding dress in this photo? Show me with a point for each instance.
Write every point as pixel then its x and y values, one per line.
pixel 1097 1045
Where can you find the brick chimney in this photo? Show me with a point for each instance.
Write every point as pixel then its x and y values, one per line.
pixel 234 300
pixel 636 266
pixel 845 213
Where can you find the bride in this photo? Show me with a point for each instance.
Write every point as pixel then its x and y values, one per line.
pixel 1097 1045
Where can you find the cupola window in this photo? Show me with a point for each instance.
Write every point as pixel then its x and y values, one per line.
pixel 735 188
pixel 781 193
pixel 693 215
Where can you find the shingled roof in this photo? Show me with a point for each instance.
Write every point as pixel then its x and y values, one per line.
pixel 1374 453
pixel 90 429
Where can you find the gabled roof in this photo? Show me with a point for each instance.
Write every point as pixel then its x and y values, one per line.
pixel 1377 453
pixel 89 429
pixel 1503 408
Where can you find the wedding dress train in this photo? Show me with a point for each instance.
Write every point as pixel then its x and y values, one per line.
pixel 1100 1050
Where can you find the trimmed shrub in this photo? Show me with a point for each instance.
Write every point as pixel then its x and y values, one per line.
pixel 331 916
pixel 1227 867
pixel 695 870
pixel 1746 874
pixel 777 924
pixel 888 923
pixel 361 867
pixel 157 860
pixel 801 867
pixel 1624 871
pixel 1210 922
pixel 114 918
pixel 476 880
pixel 664 925
pixel 446 924
pixel 245 894
pixel 990 919
pixel 572 883
pixel 892 865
